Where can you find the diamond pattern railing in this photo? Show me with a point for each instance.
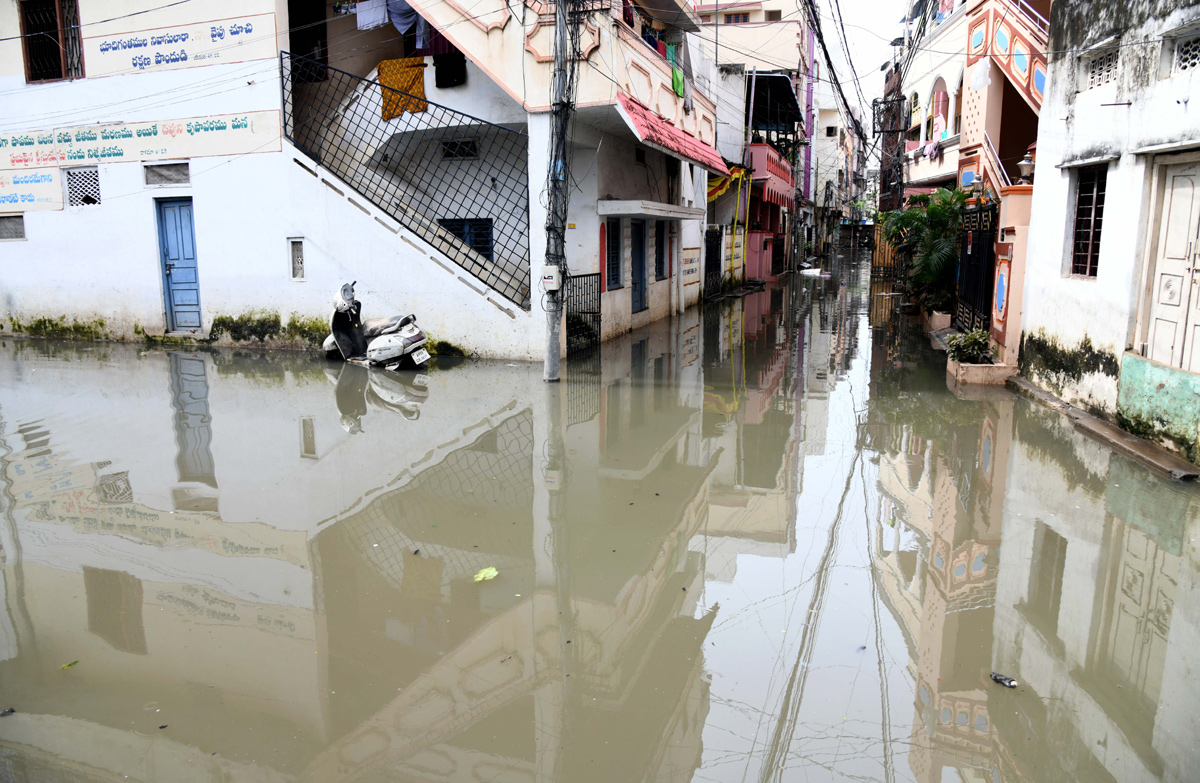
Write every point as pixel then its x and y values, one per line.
pixel 458 182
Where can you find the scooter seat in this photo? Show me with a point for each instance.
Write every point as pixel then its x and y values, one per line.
pixel 373 327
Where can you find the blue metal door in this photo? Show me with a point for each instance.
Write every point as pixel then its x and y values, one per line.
pixel 637 251
pixel 177 246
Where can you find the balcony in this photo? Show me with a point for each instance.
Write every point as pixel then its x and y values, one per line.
pixel 921 171
pixel 767 162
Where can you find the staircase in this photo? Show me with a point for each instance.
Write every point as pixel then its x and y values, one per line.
pixel 1013 35
pixel 459 183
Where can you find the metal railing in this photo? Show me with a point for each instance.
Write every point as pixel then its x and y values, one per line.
pixel 1032 15
pixel 994 160
pixel 458 182
pixel 582 302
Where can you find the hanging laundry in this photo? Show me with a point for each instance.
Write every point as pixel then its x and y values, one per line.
pixel 627 12
pixel 449 70
pixel 402 85
pixel 402 15
pixel 677 81
pixel 372 14
pixel 662 48
pixel 684 56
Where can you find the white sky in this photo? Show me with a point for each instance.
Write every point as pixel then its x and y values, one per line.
pixel 870 25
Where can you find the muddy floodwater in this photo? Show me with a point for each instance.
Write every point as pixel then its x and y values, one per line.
pixel 762 542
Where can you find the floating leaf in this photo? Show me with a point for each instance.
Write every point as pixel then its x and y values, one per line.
pixel 68 665
pixel 486 574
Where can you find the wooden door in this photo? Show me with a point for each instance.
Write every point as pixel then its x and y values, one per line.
pixel 177 245
pixel 1174 337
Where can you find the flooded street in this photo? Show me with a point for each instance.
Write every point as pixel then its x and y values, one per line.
pixel 759 542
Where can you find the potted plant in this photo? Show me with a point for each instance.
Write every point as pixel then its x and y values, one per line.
pixel 971 358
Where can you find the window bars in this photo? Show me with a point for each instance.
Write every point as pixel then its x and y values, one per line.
pixel 1102 68
pixel 1187 55
pixel 12 227
pixel 50 36
pixel 442 174
pixel 1089 219
pixel 83 187
pixel 660 250
pixel 613 247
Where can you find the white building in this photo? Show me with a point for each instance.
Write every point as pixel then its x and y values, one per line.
pixel 1112 298
pixel 153 183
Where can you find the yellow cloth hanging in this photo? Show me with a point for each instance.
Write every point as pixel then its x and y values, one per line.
pixel 408 77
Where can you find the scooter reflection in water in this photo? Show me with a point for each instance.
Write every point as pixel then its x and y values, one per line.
pixel 360 388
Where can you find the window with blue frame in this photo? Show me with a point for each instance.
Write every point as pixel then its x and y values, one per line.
pixel 475 232
pixel 612 250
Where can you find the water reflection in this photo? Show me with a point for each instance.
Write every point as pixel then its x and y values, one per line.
pixel 762 541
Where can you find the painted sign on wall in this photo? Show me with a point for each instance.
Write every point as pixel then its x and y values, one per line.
pixel 25 191
pixel 182 46
pixel 225 134
pixel 691 266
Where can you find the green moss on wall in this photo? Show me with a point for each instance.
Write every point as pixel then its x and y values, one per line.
pixel 308 330
pixel 445 349
pixel 1045 358
pixel 61 328
pixel 246 327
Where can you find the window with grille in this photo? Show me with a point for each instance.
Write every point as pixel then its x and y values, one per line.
pixel 613 254
pixel 83 187
pixel 296 254
pixel 460 149
pixel 1089 219
pixel 168 174
pixel 1102 68
pixel 660 249
pixel 477 233
pixel 50 39
pixel 12 227
pixel 1187 55
pixel 737 18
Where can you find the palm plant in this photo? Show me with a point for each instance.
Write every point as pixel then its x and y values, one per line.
pixel 928 230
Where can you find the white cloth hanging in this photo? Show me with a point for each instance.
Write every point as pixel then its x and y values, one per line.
pixel 372 14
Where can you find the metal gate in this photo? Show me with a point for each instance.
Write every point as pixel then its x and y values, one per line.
pixel 713 247
pixel 583 312
pixel 777 254
pixel 976 269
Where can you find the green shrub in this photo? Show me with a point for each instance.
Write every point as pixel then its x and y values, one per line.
pixel 969 347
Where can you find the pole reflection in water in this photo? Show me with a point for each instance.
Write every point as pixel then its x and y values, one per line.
pixel 762 541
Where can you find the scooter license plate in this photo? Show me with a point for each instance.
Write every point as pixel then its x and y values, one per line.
pixel 420 356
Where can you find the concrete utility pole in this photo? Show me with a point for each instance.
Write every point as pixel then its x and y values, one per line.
pixel 558 185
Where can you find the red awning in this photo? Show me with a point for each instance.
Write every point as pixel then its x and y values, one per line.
pixel 654 131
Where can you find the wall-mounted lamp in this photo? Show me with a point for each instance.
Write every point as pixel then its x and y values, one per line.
pixel 1026 167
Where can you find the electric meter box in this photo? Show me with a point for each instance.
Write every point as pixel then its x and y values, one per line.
pixel 551 278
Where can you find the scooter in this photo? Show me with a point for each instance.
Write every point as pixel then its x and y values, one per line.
pixel 390 343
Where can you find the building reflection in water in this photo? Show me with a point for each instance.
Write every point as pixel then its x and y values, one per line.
pixel 322 622
pixel 1077 604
